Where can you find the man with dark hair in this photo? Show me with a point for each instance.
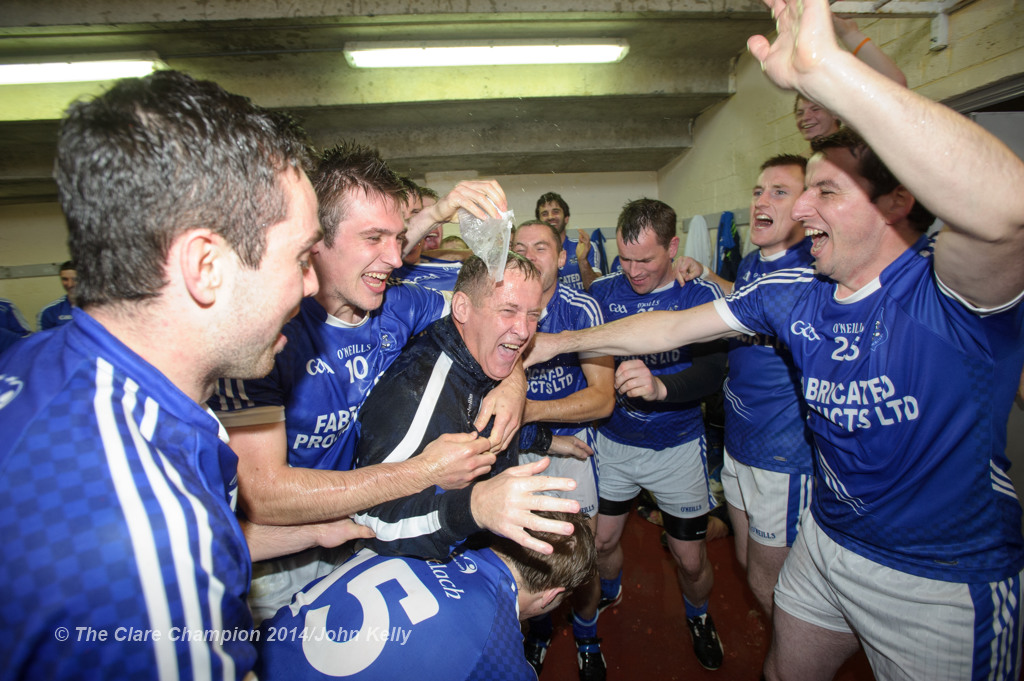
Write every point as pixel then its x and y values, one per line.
pixel 293 430
pixel 191 220
pixel 654 446
pixel 568 394
pixel 552 209
pixel 59 311
pixel 768 470
pixel 909 353
pixel 379 617
pixel 434 389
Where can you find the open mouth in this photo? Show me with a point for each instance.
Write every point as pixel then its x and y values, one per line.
pixel 761 221
pixel 818 239
pixel 376 281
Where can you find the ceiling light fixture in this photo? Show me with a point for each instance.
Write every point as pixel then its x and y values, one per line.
pixel 483 53
pixel 79 70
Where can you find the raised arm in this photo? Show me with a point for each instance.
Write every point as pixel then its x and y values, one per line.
pixel 482 198
pixel 636 335
pixel 866 50
pixel 963 174
pixel 273 493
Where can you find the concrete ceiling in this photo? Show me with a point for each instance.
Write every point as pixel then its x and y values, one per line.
pixel 286 54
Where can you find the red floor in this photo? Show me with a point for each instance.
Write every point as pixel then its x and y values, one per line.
pixel 645 637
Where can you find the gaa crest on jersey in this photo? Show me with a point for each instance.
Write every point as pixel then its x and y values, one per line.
pixel 387 341
pixel 10 386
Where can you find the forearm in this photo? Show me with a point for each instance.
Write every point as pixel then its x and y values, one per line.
pixel 582 406
pixel 304 495
pixel 871 54
pixel 704 377
pixel 427 524
pixel 648 333
pixel 587 275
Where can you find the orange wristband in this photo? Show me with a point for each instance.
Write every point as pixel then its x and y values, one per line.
pixel 862 43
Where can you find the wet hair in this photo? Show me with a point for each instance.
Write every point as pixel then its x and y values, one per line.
pixel 551 197
pixel 475 281
pixel 641 214
pixel 573 561
pixel 785 160
pixel 554 232
pixel 872 169
pixel 350 167
pixel 428 193
pixel 155 157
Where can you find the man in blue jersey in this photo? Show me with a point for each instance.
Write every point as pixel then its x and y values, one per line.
pixel 654 446
pixel 909 357
pixel 12 319
pixel 436 387
pixel 385 617
pixel 117 520
pixel 59 311
pixel 552 209
pixel 768 469
pixel 567 394
pixel 293 430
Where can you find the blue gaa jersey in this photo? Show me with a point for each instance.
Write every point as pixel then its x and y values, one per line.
pixel 637 422
pixel 56 313
pixel 12 320
pixel 909 390
pixel 122 557
pixel 568 310
pixel 569 274
pixel 432 273
pixel 325 372
pixel 385 618
pixel 765 415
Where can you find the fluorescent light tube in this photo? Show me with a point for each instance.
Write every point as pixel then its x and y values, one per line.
pixel 75 71
pixel 483 53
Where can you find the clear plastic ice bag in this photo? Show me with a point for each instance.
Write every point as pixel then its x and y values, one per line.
pixel 488 239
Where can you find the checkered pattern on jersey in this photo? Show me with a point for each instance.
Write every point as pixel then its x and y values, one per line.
pixel 72 560
pixel 502 658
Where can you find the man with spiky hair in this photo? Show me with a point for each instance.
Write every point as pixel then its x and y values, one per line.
pixel 293 430
pixel 191 220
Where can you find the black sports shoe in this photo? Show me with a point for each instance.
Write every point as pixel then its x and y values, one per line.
pixel 590 659
pixel 536 649
pixel 610 602
pixel 706 645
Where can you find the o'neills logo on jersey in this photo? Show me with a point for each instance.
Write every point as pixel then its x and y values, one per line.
pixel 357 349
pixel 860 404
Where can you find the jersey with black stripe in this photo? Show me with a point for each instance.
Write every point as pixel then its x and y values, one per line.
pixel 561 376
pixel 765 415
pixel 436 274
pixel 637 422
pixel 569 273
pixel 122 557
pixel 384 618
pixel 324 374
pixel 909 391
